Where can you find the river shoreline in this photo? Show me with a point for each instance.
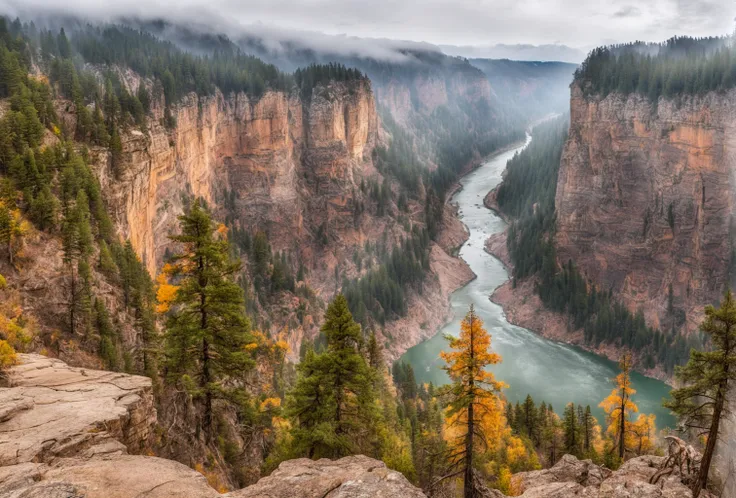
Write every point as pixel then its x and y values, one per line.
pixel 523 307
pixel 549 371
pixel 451 244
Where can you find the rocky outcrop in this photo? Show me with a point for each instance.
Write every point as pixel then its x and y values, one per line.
pixel 645 198
pixel 354 477
pixel 571 477
pixel 52 410
pixel 68 432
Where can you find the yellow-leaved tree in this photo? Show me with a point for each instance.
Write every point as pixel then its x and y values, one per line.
pixel 475 420
pixel 17 328
pixel 642 434
pixel 619 406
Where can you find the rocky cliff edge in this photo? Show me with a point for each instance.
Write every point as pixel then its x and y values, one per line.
pixel 73 432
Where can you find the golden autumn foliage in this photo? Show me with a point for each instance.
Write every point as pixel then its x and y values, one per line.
pixel 269 404
pixel 504 480
pixel 637 437
pixel 17 329
pixel 641 436
pixel 213 479
pixel 166 292
pixel 13 227
pixel 8 357
pixel 475 423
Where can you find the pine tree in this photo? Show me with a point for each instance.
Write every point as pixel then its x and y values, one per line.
pixel 206 330
pixel 77 244
pixel 106 263
pixel 116 153
pixel 619 406
pixel 530 416
pixel 108 340
pixel 589 424
pixel 701 403
pixel 473 397
pixel 375 355
pixel 43 209
pixel 332 403
pixel 571 427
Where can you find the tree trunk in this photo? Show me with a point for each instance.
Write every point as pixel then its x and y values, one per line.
pixel 205 385
pixel 710 446
pixel 468 480
pixel 622 427
pixel 206 377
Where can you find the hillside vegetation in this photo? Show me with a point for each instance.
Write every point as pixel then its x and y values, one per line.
pixel 680 66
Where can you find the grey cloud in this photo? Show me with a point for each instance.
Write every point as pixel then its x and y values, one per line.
pixel 628 11
pixel 520 52
pixel 539 29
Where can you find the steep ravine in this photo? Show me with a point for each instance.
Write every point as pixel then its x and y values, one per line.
pixel 290 166
pixel 644 204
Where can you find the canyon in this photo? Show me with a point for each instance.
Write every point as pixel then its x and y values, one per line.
pixel 291 166
pixel 644 208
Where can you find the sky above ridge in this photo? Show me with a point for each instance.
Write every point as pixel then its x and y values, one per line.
pixel 558 29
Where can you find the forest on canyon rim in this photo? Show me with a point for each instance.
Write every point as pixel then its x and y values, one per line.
pixel 266 341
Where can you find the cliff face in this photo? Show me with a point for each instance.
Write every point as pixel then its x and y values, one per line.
pixel 261 149
pixel 289 165
pixel 645 203
pixel 645 199
pixel 461 93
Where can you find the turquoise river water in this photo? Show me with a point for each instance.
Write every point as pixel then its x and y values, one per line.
pixel 548 370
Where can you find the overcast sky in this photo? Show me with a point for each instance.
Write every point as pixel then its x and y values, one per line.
pixel 581 24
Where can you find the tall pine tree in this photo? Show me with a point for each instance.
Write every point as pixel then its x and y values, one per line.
pixel 701 403
pixel 206 330
pixel 332 404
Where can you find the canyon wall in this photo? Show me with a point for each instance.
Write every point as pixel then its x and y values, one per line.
pixel 292 166
pixel 645 204
pixel 262 149
pixel 424 93
pixel 645 200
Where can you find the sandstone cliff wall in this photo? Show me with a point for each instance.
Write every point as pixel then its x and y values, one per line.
pixel 645 200
pixel 261 149
pixel 645 204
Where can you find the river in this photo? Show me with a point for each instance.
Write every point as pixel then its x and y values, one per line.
pixel 548 370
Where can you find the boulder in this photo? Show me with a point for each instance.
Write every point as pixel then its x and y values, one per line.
pixel 571 477
pixel 350 477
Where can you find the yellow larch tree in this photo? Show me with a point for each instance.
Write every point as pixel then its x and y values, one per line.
pixel 642 434
pixel 475 415
pixel 619 406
